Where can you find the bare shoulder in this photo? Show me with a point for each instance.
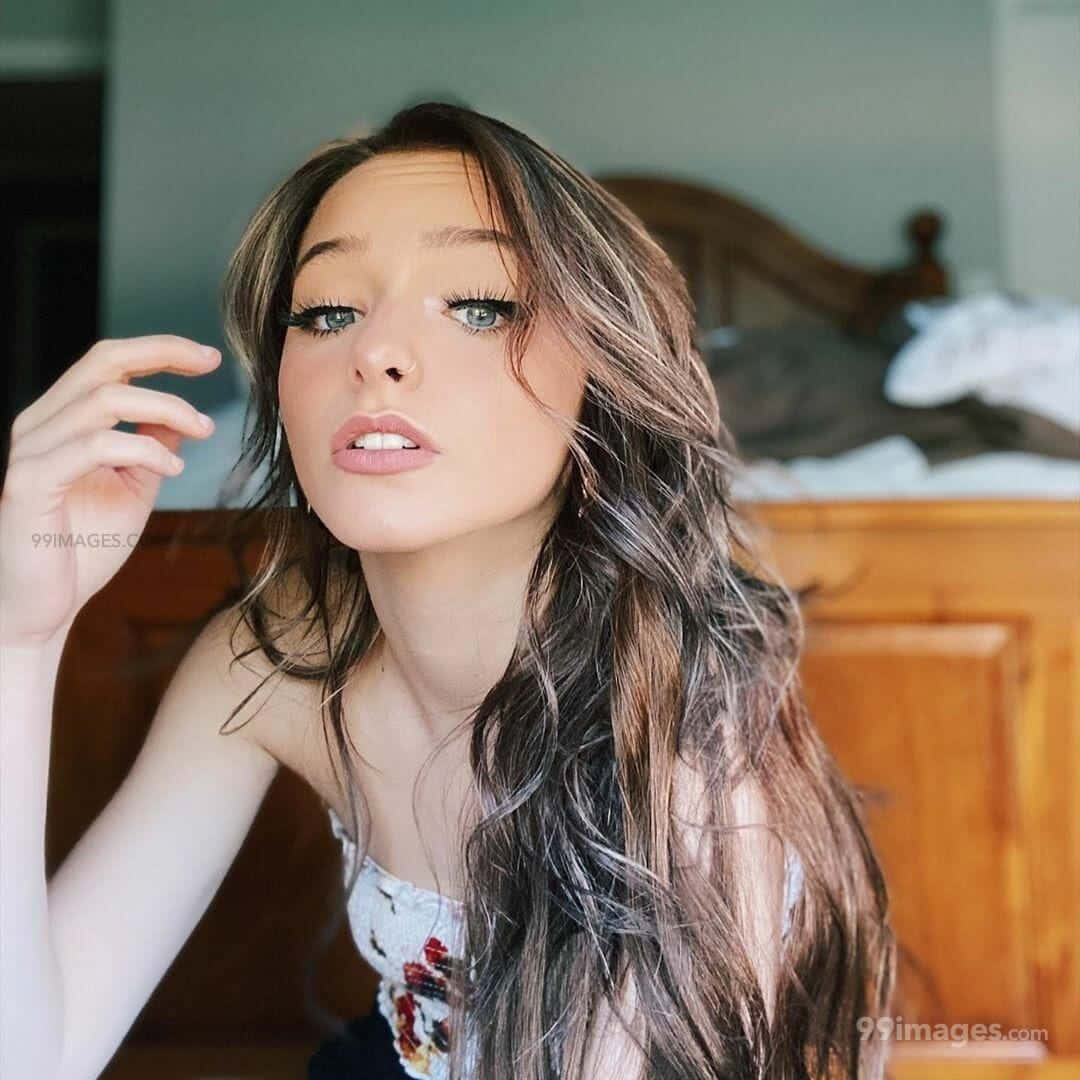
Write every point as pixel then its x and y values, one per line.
pixel 283 714
pixel 226 654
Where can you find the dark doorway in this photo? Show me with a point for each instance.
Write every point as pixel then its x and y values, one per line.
pixel 50 215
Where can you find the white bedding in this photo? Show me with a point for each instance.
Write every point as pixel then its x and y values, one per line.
pixel 895 468
pixel 1004 349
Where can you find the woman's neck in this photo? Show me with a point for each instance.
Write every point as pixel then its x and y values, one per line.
pixel 449 616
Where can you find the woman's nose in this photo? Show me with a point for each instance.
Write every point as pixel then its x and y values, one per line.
pixel 384 348
pixel 394 363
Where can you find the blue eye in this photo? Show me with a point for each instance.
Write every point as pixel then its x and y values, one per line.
pixel 306 318
pixel 486 311
pixel 495 307
pixel 495 312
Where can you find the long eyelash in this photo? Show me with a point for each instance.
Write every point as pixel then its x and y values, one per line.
pixel 308 312
pixel 478 296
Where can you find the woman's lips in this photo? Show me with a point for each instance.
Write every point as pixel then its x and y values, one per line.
pixel 390 423
pixel 382 461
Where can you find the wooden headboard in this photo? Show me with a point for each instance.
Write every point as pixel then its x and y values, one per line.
pixel 746 269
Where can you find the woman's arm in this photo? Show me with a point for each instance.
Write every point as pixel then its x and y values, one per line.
pixel 127 897
pixel 30 996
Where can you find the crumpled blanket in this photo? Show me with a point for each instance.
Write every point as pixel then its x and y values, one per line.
pixel 1003 349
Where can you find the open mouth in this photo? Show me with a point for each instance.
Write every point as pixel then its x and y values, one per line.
pixel 377 441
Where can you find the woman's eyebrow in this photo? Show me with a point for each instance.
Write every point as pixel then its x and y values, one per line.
pixel 444 237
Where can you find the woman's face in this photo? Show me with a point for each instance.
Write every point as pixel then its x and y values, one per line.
pixel 396 344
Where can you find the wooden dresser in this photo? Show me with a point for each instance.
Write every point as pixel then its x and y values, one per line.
pixel 942 666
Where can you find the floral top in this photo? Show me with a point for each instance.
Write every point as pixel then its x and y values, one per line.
pixel 411 937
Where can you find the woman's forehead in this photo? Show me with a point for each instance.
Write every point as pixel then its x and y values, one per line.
pixel 425 187
pixel 416 202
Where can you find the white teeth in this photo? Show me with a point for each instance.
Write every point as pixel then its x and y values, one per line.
pixel 380 440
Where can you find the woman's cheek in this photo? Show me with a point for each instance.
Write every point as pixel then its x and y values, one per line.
pixel 292 389
pixel 529 455
pixel 285 384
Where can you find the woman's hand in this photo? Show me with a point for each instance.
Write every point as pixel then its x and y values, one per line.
pixel 77 494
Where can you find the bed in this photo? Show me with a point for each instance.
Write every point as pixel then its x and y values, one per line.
pixel 847 382
pixel 942 665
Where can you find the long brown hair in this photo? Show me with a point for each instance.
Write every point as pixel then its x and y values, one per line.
pixel 654 645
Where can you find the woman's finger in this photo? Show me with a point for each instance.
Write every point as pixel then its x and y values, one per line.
pixel 54 471
pixel 116 361
pixel 104 407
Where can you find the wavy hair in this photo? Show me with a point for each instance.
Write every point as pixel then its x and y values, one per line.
pixel 655 644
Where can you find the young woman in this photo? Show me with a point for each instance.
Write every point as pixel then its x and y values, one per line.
pixel 514 640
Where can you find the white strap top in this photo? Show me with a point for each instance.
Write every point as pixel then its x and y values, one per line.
pixel 410 937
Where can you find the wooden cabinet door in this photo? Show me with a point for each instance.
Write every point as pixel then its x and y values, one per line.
pixel 942 666
pixel 925 717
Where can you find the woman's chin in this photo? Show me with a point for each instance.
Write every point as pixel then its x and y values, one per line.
pixel 381 540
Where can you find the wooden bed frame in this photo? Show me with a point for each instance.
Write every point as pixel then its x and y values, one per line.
pixel 744 268
pixel 941 665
